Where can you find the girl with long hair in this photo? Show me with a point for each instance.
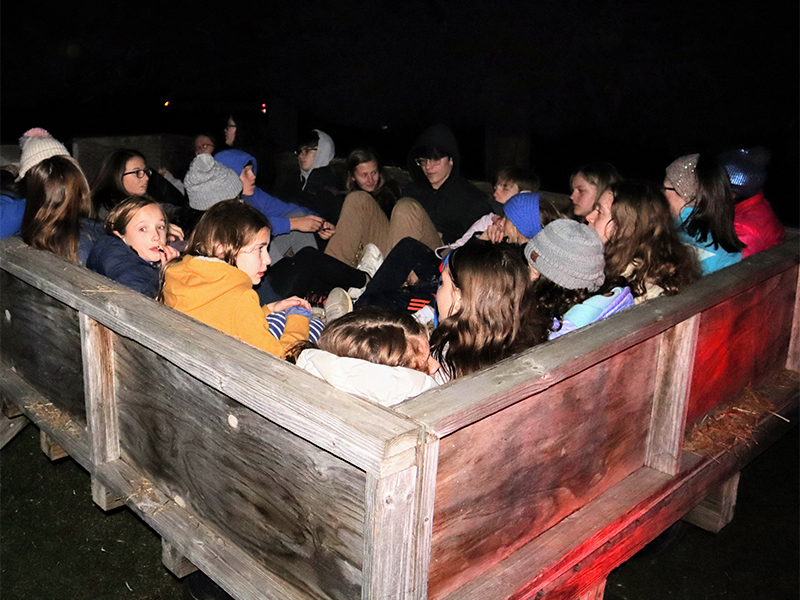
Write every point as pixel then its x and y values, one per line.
pixel 642 248
pixel 482 306
pixel 699 194
pixel 58 212
pixel 588 184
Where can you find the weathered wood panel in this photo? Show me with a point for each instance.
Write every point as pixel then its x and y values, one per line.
pixel 41 341
pixel 289 504
pixel 504 480
pixel 739 340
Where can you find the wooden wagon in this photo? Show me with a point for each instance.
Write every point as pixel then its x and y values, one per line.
pixel 534 478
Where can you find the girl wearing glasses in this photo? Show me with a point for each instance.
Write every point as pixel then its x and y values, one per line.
pixel 699 194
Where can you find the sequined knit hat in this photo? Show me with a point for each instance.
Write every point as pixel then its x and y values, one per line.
pixel 681 174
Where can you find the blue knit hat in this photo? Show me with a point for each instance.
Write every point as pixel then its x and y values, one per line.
pixel 236 160
pixel 523 211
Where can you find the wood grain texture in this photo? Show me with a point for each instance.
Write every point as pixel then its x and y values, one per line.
pixel 290 505
pixel 388 533
pixel 233 569
pixel 10 427
pixel 741 339
pixel 177 563
pixel 472 398
pixel 582 549
pixel 41 341
pixel 506 479
pixel 101 402
pixel 46 416
pixel 50 448
pixel 716 510
pixel 793 359
pixel 361 432
pixel 676 355
pixel 104 497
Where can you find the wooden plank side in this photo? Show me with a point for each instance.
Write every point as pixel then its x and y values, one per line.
pixel 59 425
pixel 716 510
pixel 583 548
pixel 10 427
pixel 388 535
pixel 671 396
pixel 793 359
pixel 472 398
pixel 506 479
pixel 41 342
pixel 292 506
pixel 363 433
pixel 739 340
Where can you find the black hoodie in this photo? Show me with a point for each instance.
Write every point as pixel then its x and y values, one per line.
pixel 457 204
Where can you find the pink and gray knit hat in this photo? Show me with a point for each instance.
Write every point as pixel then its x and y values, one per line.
pixel 38 145
pixel 681 174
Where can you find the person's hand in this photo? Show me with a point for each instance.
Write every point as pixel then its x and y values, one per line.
pixel 288 303
pixel 494 233
pixel 327 230
pixel 307 223
pixel 164 172
pixel 175 233
pixel 167 254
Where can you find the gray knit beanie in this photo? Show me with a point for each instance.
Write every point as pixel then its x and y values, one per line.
pixel 209 182
pixel 569 254
pixel 681 174
pixel 38 145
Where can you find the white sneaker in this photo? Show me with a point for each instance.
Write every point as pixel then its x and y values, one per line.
pixel 371 260
pixel 337 305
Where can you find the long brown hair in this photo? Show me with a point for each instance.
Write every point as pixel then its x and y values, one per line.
pixel 376 335
pixel 230 226
pixel 58 198
pixel 493 320
pixel 645 240
pixel 108 188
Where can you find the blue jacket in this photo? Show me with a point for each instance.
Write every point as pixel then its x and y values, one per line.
pixel 712 257
pixel 271 207
pixel 116 260
pixel 11 211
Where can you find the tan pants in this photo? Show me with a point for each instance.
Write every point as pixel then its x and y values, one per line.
pixel 363 222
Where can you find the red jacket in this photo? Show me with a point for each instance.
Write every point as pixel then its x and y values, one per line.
pixel 756 225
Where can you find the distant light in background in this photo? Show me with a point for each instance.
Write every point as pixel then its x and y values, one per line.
pixel 166 103
pixel 263 107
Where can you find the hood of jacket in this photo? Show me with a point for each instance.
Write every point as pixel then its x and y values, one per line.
pixel 439 136
pixel 197 281
pixel 326 150
pixel 236 160
pixel 379 383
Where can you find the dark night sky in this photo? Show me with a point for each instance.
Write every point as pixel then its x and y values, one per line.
pixel 623 81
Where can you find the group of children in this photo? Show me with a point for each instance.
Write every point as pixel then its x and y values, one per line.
pixel 528 272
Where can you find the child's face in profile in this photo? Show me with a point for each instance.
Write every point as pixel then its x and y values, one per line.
pixel 503 190
pixel 448 296
pixel 146 232
pixel 254 259
pixel 424 361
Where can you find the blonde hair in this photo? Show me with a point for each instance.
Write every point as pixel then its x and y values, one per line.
pixel 117 220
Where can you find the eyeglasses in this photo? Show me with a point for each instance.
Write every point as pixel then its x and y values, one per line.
pixel 230 127
pixel 668 189
pixel 422 162
pixel 140 173
pixel 304 151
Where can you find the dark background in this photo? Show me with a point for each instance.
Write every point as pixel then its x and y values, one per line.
pixel 552 84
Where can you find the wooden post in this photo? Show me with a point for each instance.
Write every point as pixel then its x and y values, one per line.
pixel 51 450
pixel 793 358
pixel 716 509
pixel 10 427
pixel 101 403
pixel 388 528
pixel 596 593
pixel 177 563
pixel 670 399
pixel 10 409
